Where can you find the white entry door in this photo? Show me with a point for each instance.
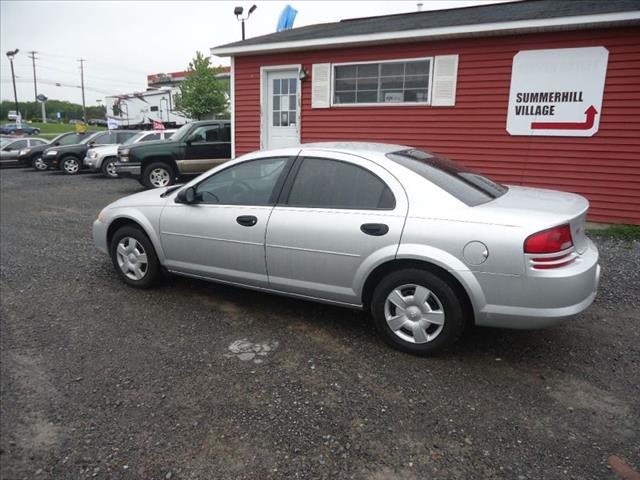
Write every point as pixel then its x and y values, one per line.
pixel 281 123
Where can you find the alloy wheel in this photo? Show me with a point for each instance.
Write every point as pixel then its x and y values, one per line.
pixel 71 166
pixel 111 169
pixel 132 259
pixel 159 177
pixel 414 313
pixel 39 164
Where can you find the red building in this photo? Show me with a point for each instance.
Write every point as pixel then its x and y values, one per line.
pixel 543 93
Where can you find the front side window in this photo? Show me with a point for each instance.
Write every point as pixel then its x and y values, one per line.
pixel 124 136
pixel 249 183
pixel 206 133
pixel 324 183
pixel 106 138
pixel 383 82
pixel 17 145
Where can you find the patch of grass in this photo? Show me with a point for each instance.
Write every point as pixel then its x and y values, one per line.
pixel 620 232
pixel 50 130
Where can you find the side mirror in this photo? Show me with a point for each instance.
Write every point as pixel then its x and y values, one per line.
pixel 187 196
pixel 57 143
pixel 92 143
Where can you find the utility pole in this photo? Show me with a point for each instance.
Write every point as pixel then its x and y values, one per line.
pixel 10 55
pixel 35 84
pixel 84 110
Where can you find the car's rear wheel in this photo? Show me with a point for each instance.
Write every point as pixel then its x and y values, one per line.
pixel 39 165
pixel 158 175
pixel 417 311
pixel 134 258
pixel 109 168
pixel 70 165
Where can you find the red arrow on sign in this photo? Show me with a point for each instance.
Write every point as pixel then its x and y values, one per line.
pixel 586 125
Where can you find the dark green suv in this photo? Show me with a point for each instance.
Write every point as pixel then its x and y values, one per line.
pixel 193 149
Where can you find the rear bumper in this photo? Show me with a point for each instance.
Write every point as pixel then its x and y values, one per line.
pixel 128 171
pixel 543 301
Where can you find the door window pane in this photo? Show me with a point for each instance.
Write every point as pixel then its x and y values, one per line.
pixel 284 102
pixel 332 184
pixel 276 86
pixel 249 183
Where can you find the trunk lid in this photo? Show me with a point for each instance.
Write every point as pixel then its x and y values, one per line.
pixel 540 209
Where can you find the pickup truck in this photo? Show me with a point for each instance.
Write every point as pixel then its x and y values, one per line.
pixel 194 148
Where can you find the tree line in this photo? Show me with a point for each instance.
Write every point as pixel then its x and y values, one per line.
pixel 33 110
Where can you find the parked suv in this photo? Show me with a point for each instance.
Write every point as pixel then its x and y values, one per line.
pixel 103 157
pixel 193 149
pixel 69 158
pixel 32 156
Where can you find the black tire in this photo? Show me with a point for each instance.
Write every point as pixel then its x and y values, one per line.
pixel 450 304
pixel 65 161
pixel 36 131
pixel 153 271
pixel 39 166
pixel 150 170
pixel 105 165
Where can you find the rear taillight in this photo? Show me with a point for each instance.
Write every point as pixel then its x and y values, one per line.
pixel 554 240
pixel 547 242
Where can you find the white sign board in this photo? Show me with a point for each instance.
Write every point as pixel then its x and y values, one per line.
pixel 557 92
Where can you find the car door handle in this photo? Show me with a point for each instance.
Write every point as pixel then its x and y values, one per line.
pixel 375 229
pixel 247 220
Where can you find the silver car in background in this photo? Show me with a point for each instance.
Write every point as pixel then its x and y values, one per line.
pixel 102 158
pixel 426 246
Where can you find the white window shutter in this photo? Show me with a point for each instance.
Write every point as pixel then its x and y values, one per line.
pixel 321 85
pixel 445 77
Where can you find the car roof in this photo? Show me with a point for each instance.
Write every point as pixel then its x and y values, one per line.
pixel 356 147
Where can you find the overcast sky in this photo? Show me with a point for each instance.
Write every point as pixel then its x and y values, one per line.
pixel 123 42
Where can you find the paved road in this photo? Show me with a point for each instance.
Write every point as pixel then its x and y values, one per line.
pixel 196 380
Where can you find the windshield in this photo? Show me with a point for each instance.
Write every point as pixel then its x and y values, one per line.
pixel 181 132
pixel 466 185
pixel 86 140
pixel 134 139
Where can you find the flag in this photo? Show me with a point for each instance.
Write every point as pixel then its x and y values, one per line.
pixel 112 123
pixel 158 125
pixel 288 15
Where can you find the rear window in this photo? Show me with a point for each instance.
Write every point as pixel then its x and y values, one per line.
pixel 466 185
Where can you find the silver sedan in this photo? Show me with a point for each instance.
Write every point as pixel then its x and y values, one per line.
pixel 425 245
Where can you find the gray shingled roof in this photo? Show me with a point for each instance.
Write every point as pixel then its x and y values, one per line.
pixel 501 12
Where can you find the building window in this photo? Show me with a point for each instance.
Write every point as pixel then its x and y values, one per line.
pixel 393 82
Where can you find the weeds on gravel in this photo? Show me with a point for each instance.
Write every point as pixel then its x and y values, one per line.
pixel 620 232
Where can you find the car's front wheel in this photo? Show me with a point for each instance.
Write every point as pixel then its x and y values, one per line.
pixel 134 258
pixel 39 165
pixel 417 311
pixel 70 165
pixel 109 168
pixel 158 175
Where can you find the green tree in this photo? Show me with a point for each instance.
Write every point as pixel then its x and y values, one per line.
pixel 201 93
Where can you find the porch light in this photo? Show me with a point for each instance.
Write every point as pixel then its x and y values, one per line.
pixel 303 75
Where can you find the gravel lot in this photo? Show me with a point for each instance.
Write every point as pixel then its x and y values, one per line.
pixel 196 380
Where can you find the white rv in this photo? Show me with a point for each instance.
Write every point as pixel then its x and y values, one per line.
pixel 136 110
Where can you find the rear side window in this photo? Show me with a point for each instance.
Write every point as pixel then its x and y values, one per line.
pixel 466 185
pixel 327 183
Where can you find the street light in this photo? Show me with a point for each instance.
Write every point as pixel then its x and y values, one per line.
pixel 238 13
pixel 10 55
